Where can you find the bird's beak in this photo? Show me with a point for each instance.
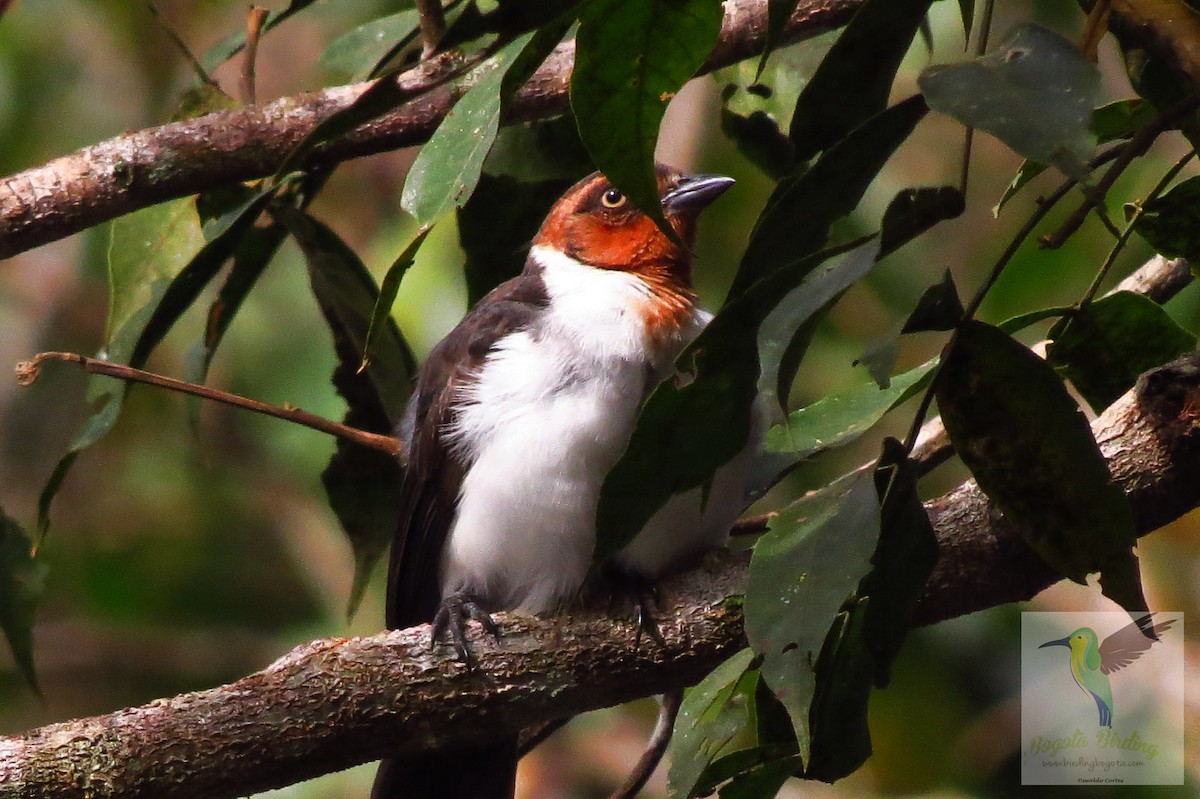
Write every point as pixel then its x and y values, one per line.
pixel 1060 642
pixel 695 193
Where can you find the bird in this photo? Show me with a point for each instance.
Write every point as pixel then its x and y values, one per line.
pixel 516 418
pixel 1092 660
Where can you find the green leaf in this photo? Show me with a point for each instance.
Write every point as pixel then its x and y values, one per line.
pixel 448 167
pixel 801 573
pixel 362 484
pixel 382 313
pixel 966 9
pixel 1035 92
pixel 939 308
pixel 712 715
pixel 147 250
pixel 1019 432
pixel 630 59
pixel 826 111
pixel 760 140
pixel 1105 346
pixel 22 582
pixel 1022 321
pixel 841 741
pixel 798 215
pixel 357 51
pixel 763 780
pixel 840 418
pixel 1170 223
pixel 1122 119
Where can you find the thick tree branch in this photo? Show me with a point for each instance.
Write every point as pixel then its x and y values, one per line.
pixel 335 703
pixel 139 169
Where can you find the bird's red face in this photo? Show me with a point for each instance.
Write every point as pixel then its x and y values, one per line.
pixel 596 225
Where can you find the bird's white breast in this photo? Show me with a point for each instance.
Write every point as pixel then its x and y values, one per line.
pixel 549 414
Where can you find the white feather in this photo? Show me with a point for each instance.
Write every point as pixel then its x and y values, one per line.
pixel 550 413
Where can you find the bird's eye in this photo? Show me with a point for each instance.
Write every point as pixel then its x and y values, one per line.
pixel 612 199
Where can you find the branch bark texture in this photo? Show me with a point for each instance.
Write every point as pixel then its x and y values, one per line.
pixel 338 702
pixel 139 169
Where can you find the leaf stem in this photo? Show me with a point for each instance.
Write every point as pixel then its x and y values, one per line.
pixel 27 373
pixel 1135 147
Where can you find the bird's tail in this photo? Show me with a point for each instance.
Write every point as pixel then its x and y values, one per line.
pixel 488 772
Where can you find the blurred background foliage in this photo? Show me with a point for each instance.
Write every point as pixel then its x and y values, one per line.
pixel 181 558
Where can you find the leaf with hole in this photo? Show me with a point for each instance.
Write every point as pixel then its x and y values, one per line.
pixel 1035 92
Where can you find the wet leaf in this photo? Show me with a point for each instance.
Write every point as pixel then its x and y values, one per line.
pixel 712 715
pixel 939 308
pixel 381 315
pixel 801 573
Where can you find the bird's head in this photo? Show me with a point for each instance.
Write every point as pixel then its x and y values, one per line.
pixel 597 225
pixel 1083 643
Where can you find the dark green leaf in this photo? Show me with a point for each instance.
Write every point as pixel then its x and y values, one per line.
pixel 760 140
pixel 539 152
pixel 938 309
pixel 22 582
pixel 869 631
pixel 865 57
pixel 796 220
pixel 778 13
pixel 497 224
pixel 382 314
pixel 841 741
pixel 1031 451
pixel 879 358
pixel 966 9
pixel 1105 346
pixel 362 484
pixel 356 52
pixel 763 780
pixel 1035 92
pixel 904 557
pixel 1170 223
pixel 913 211
pixel 712 715
pixel 801 573
pixel 630 59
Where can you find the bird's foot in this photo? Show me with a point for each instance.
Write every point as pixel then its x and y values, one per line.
pixel 643 595
pixel 452 616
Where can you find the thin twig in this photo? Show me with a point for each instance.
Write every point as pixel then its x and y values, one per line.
pixel 1135 147
pixel 433 25
pixel 201 73
pixel 27 373
pixel 656 747
pixel 255 18
pixel 981 43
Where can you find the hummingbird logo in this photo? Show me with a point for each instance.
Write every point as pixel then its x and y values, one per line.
pixel 1093 660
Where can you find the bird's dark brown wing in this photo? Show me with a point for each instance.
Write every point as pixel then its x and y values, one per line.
pixel 1128 643
pixel 434 472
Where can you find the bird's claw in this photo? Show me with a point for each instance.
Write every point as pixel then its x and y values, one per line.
pixel 644 596
pixel 452 616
